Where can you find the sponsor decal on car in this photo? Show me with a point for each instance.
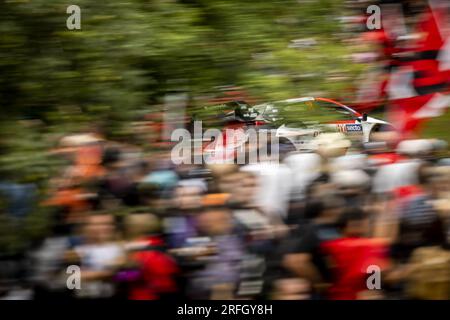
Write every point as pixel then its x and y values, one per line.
pixel 353 128
pixel 349 127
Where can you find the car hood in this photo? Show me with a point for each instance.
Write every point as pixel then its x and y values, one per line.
pixel 374 120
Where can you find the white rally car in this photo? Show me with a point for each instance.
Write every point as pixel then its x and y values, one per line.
pixel 302 119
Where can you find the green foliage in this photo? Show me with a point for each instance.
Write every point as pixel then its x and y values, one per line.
pixel 128 54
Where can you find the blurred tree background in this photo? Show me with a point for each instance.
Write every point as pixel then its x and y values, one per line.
pixel 128 54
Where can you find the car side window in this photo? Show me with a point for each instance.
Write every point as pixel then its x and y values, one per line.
pixel 299 114
pixel 333 111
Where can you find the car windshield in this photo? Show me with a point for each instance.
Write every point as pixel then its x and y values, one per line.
pixel 302 113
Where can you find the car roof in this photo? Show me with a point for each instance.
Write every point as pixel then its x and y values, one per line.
pixel 303 99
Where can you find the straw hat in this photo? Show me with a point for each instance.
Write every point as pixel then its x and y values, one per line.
pixel 415 147
pixel 79 140
pixel 351 178
pixel 331 144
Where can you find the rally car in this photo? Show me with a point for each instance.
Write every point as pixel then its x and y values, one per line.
pixel 298 120
pixel 302 119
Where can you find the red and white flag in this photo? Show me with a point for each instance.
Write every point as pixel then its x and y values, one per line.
pixel 417 79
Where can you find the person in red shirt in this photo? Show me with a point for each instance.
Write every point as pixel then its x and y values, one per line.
pixel 351 256
pixel 153 272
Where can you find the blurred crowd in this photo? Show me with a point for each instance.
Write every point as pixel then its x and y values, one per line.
pixel 344 221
